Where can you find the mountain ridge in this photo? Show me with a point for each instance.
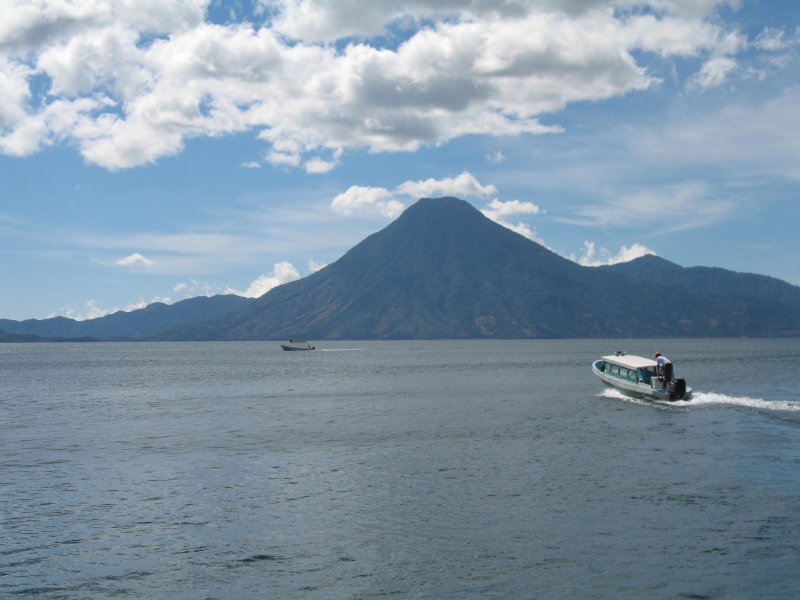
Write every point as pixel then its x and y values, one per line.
pixel 442 270
pixel 144 323
pixel 710 280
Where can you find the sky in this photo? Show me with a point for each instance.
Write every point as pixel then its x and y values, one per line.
pixel 166 149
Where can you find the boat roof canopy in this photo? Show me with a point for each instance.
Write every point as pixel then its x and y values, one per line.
pixel 631 361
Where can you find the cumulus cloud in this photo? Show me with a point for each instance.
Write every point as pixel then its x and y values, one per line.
pixel 196 288
pixel 385 203
pixel 284 272
pixel 129 83
pixel 712 74
pixel 328 21
pixel 14 92
pixel 379 201
pixel 91 310
pixel 316 265
pixel 135 260
pixel 367 200
pixel 499 209
pixel 317 165
pixel 500 212
pixel 28 25
pixel 464 185
pixel 592 256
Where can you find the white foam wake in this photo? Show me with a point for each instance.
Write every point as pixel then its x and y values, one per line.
pixel 708 398
pixel 713 398
pixel 612 393
pixel 339 349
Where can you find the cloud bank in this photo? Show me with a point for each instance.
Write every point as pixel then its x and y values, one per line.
pixel 129 83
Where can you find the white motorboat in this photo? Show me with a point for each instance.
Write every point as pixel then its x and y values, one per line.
pixel 639 377
pixel 297 345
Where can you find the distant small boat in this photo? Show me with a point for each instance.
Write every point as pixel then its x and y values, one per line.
pixel 297 345
pixel 638 377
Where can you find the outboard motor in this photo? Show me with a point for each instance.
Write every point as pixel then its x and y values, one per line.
pixel 677 389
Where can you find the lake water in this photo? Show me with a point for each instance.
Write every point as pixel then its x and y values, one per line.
pixel 497 469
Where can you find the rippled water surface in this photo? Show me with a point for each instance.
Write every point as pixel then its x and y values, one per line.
pixel 407 469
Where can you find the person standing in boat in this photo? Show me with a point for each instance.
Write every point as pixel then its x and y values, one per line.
pixel 664 367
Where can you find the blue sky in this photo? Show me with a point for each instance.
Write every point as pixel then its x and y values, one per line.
pixel 179 148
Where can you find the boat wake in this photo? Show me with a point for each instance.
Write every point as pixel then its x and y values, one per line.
pixel 712 399
pixel 339 349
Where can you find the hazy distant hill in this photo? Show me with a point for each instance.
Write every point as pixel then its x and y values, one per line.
pixel 711 281
pixel 443 270
pixel 6 338
pixel 145 323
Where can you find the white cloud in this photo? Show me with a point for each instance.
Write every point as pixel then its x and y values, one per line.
pixel 315 265
pixel 772 39
pixel 284 272
pixel 91 310
pixel 135 260
pixel 464 185
pixel 328 21
pixel 387 203
pixel 132 82
pixel 284 159
pixel 713 73
pixel 14 93
pixel 594 257
pixel 499 209
pixel 496 157
pixel 366 201
pixel 500 212
pixel 29 25
pixel 251 164
pixel 521 228
pixel 317 165
pixel 196 288
pixel 369 200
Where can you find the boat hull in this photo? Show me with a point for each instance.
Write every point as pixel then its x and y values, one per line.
pixel 296 348
pixel 637 389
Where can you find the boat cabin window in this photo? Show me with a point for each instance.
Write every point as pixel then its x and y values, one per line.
pixel 623 372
